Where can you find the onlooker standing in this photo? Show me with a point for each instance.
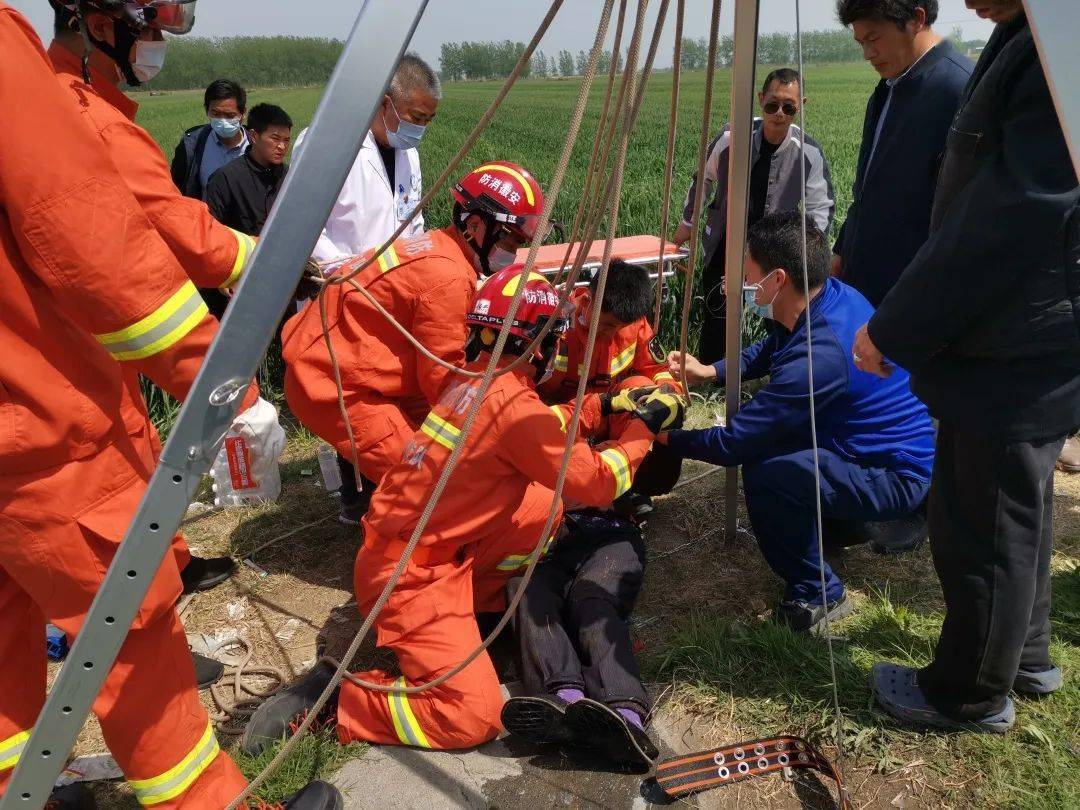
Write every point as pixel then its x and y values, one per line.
pixel 986 320
pixel 205 148
pixel 775 187
pixel 907 119
pixel 241 193
pixel 381 191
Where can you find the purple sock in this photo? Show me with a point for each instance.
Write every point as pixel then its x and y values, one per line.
pixel 631 717
pixel 570 695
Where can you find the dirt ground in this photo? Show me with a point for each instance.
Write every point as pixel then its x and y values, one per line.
pixel 296 602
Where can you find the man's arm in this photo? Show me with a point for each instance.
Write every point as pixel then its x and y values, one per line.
pixel 820 197
pixel 179 167
pixel 439 325
pixel 325 249
pixel 1018 200
pixel 712 164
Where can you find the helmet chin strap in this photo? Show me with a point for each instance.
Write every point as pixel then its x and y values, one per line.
pixel 119 52
pixel 491 236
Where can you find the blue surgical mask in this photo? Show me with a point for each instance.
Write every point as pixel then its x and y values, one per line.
pixel 408 134
pixel 750 303
pixel 225 128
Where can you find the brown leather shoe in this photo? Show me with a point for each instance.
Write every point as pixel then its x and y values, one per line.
pixel 1069 460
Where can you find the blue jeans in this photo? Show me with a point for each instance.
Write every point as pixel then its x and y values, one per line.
pixel 780 502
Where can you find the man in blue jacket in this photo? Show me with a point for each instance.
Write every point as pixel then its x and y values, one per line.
pixel 875 439
pixel 907 120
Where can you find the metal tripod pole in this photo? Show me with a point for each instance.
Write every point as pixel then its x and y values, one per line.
pixel 382 30
pixel 738 191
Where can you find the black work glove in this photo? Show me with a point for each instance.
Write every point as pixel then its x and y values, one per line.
pixel 660 412
pixel 623 401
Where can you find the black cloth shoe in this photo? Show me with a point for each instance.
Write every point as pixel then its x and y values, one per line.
pixel 898 536
pixel 208 671
pixel 540 719
pixel 75 796
pixel 315 796
pixel 803 617
pixel 598 727
pixel 284 711
pixel 634 506
pixel 204 573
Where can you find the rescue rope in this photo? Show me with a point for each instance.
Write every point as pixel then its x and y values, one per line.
pixel 235 697
pixel 699 194
pixel 669 160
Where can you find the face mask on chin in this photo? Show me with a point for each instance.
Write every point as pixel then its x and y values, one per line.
pixel 149 59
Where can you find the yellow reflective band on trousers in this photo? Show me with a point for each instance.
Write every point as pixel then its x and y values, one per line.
pixel 441 431
pixel 562 362
pixel 623 359
pixel 181 776
pixel 619 465
pixel 11 749
pixel 513 562
pixel 405 723
pixel 161 329
pixel 663 376
pixel 388 259
pixel 245 246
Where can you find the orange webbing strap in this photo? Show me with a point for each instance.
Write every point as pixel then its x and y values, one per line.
pixel 681 776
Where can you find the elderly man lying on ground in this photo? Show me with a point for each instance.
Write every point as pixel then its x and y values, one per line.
pixel 875 439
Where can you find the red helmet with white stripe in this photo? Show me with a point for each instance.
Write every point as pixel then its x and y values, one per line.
pixel 508 199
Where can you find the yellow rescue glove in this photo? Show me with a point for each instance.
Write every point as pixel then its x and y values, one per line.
pixel 660 411
pixel 623 401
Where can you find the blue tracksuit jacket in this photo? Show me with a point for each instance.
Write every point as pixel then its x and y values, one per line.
pixel 867 420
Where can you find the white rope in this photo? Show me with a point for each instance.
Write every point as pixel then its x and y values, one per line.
pixel 838 724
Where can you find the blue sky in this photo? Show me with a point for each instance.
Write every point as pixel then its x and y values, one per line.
pixel 455 20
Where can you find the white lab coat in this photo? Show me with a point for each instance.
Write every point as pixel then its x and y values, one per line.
pixel 368 210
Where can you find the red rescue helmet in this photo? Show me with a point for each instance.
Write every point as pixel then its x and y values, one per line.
pixel 509 200
pixel 539 304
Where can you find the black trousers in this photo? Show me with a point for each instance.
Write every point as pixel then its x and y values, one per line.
pixel 991 533
pixel 571 624
pixel 713 344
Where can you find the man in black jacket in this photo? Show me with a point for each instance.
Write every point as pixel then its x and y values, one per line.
pixel 987 320
pixel 907 119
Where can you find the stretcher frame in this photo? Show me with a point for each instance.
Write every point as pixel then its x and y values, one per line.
pixel 642 250
pixel 353 94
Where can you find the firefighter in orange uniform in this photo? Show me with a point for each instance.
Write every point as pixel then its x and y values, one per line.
pixel 624 359
pixel 71 470
pixel 426 282
pixel 211 254
pixel 428 622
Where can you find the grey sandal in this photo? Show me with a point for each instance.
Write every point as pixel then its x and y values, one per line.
pixel 897 692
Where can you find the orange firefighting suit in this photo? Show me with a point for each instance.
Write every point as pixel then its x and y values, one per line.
pixel 89 288
pixel 211 254
pixel 513 452
pixel 622 361
pixel 427 283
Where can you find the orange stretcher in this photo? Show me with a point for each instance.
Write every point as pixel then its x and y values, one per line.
pixel 643 249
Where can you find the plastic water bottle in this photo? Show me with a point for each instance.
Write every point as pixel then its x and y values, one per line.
pixel 328 466
pixel 242 477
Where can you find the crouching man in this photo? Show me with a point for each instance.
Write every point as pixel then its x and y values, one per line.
pixel 513 452
pixel 875 439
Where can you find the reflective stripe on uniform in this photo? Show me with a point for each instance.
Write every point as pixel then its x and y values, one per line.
pixel 405 723
pixel 623 359
pixel 388 259
pixel 181 776
pixel 245 246
pixel 440 431
pixel 162 328
pixel 11 749
pixel 663 376
pixel 555 409
pixel 619 465
pixel 513 562
pixel 562 362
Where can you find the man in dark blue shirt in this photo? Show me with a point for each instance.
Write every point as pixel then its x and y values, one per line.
pixel 875 439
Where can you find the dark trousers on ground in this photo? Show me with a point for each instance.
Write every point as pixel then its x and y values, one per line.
pixel 991 533
pixel 571 624
pixel 780 502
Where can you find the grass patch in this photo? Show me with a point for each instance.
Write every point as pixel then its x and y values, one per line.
pixel 316 757
pixel 771 680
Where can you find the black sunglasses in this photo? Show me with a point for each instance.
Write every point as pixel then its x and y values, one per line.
pixel 789 108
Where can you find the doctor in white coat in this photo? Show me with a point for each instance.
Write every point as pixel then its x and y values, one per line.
pixel 384 184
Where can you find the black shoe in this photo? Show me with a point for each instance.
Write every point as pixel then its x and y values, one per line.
pixel 839 534
pixel 284 711
pixel 208 671
pixel 75 796
pixel 600 728
pixel 355 505
pixel 204 573
pixel 315 796
pixel 634 506
pixel 539 719
pixel 898 536
pixel 802 616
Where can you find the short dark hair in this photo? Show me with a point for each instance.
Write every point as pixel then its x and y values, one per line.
pixel 782 75
pixel 221 89
pixel 898 12
pixel 776 241
pixel 263 116
pixel 628 293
